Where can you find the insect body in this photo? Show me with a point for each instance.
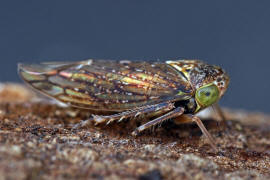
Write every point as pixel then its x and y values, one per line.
pixel 129 89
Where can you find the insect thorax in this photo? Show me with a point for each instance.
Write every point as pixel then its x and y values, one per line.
pixel 189 105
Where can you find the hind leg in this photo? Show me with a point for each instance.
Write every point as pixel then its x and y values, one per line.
pixel 133 113
pixel 163 107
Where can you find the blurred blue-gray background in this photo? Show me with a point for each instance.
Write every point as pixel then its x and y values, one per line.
pixel 232 34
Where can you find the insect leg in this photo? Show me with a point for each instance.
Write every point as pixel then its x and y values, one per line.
pixel 133 113
pixel 220 113
pixel 205 132
pixel 176 112
pixel 164 107
pixel 192 118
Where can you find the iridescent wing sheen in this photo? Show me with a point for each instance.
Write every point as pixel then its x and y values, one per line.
pixel 107 85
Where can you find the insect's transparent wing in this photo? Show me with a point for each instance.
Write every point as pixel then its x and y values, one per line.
pixel 107 85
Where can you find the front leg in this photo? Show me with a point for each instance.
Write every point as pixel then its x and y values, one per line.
pixel 221 114
pixel 191 118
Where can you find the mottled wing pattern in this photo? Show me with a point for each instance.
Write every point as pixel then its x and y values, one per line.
pixel 107 85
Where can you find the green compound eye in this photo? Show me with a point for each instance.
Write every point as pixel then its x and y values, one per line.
pixel 207 95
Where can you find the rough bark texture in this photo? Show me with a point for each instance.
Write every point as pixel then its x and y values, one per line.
pixel 37 142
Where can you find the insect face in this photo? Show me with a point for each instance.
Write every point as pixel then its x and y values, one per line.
pixel 210 83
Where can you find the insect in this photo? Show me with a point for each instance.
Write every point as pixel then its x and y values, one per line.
pixel 132 88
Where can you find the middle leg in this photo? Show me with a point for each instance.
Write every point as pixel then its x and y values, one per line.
pixel 176 112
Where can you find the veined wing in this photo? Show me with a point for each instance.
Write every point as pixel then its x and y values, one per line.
pixel 107 85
